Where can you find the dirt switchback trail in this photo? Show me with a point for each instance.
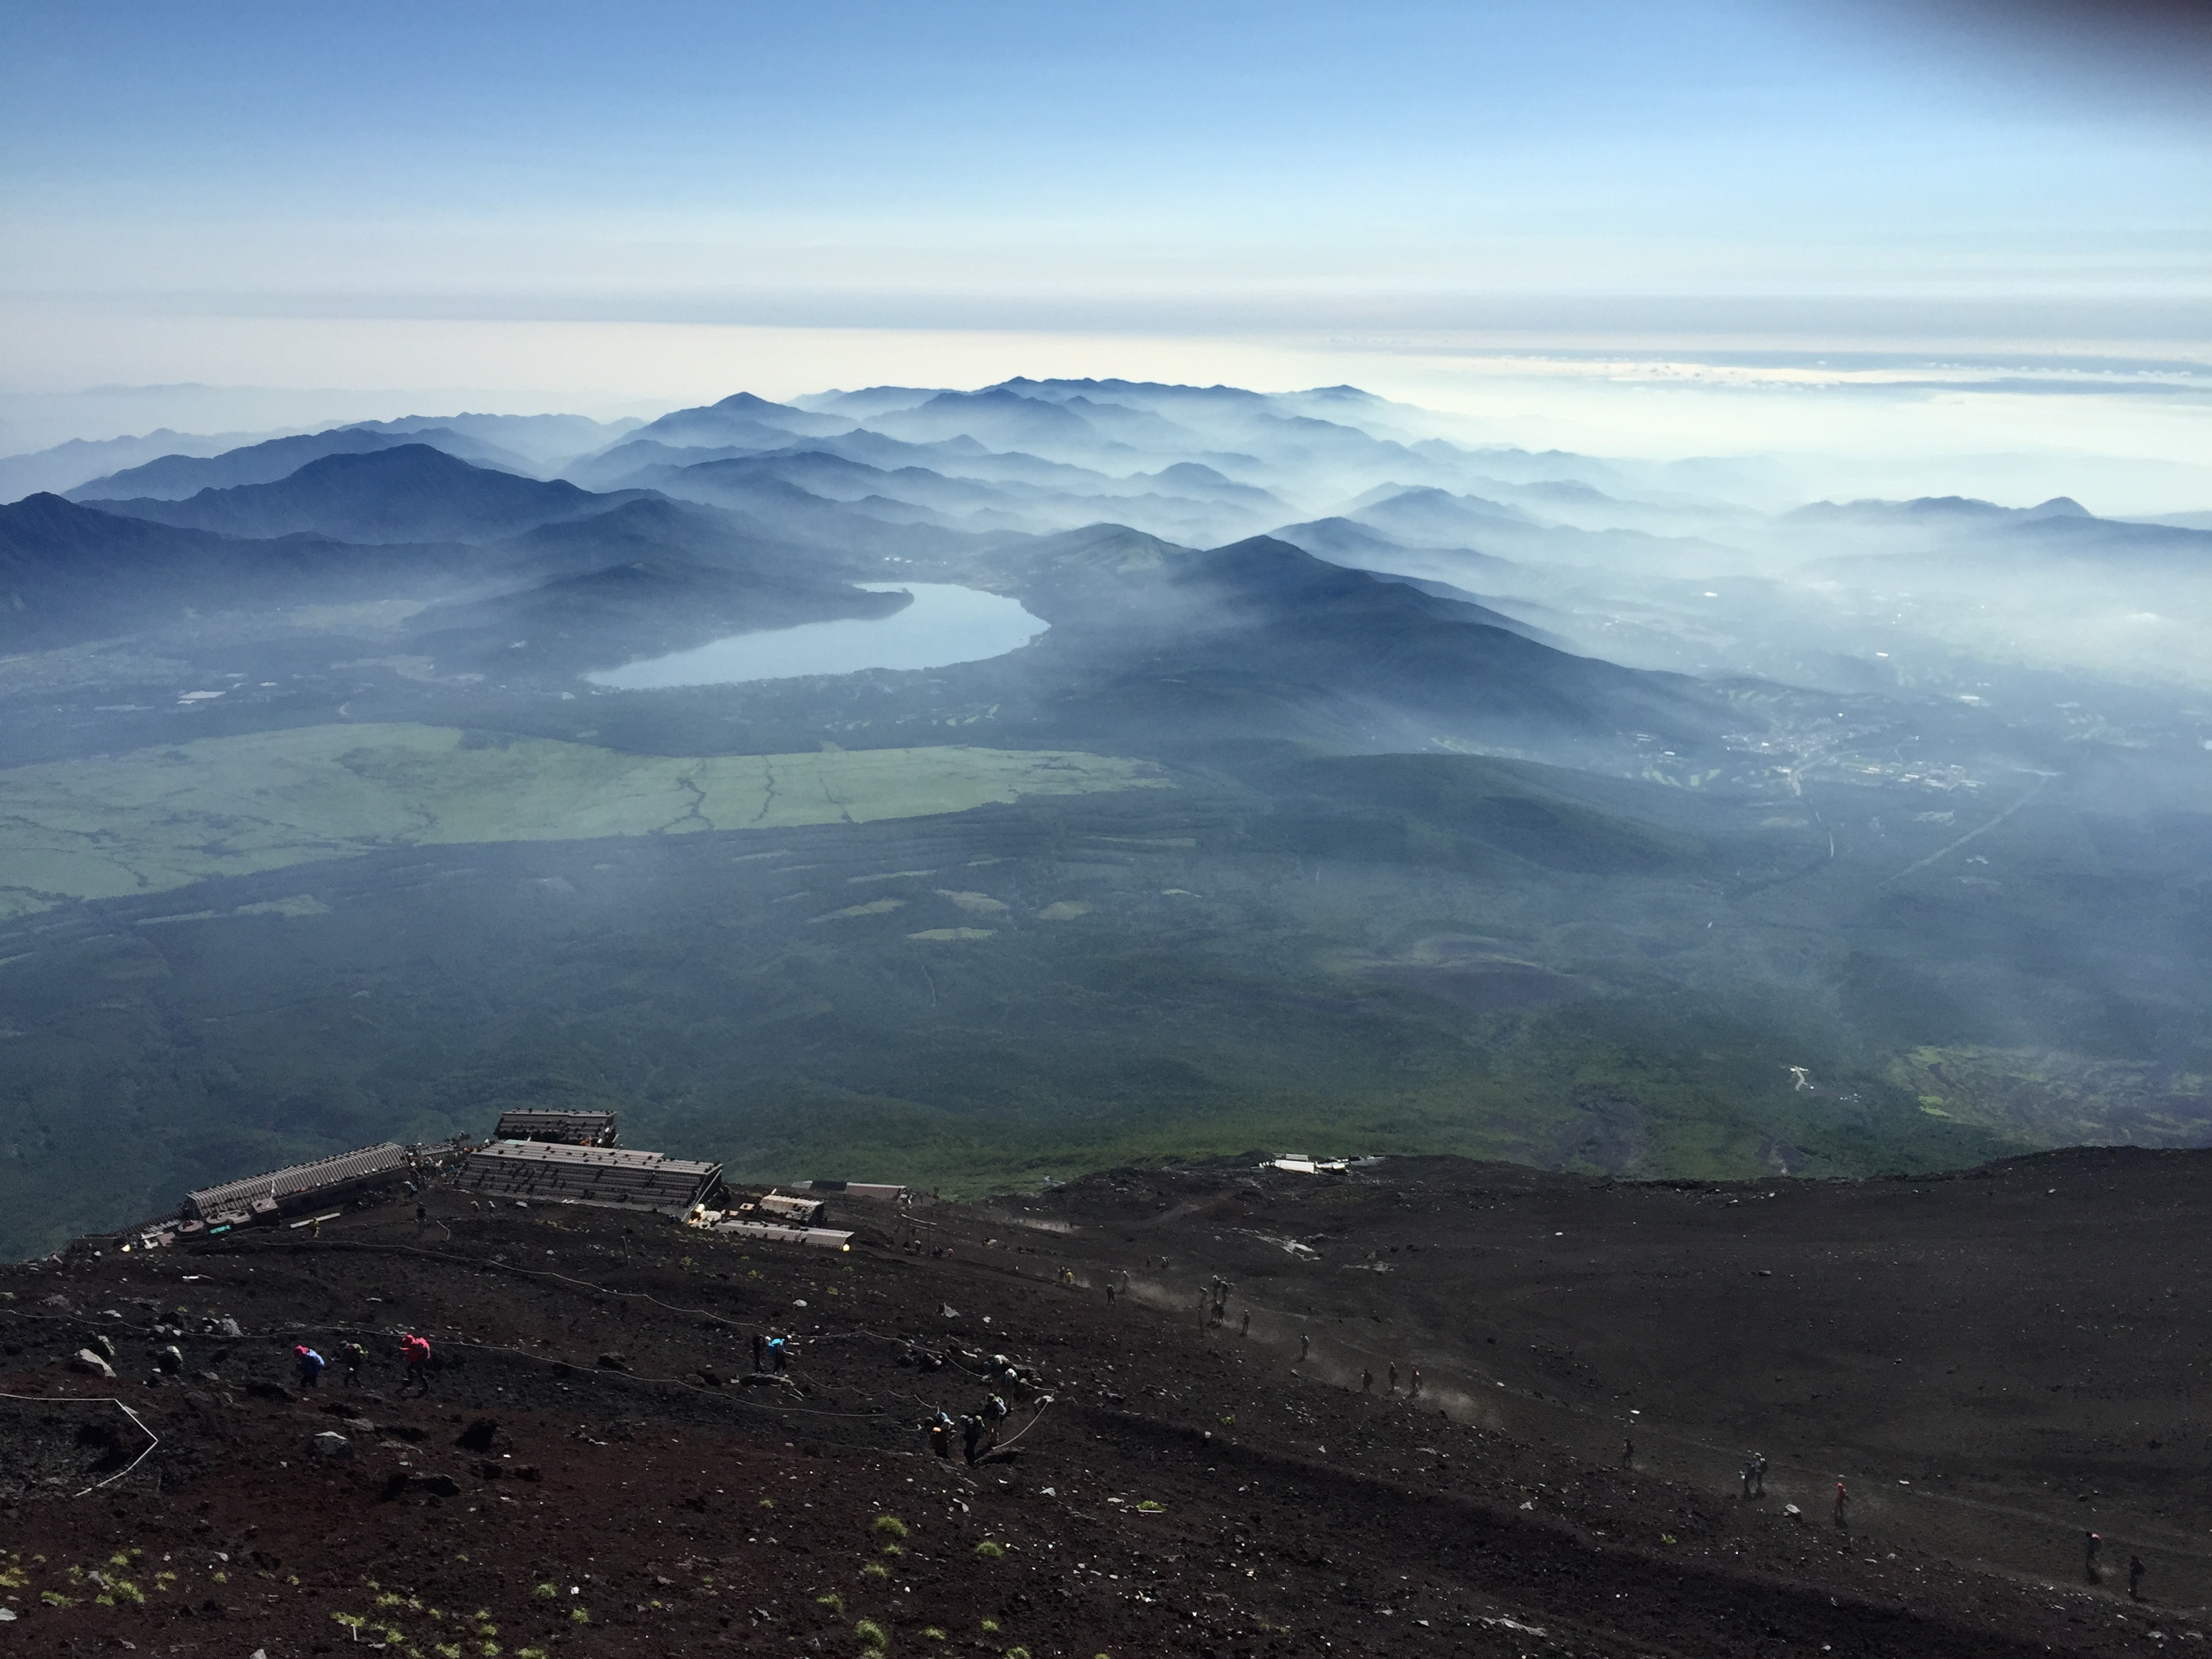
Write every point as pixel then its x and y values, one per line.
pixel 1423 1406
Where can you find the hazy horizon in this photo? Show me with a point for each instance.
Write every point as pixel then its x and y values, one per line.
pixel 1713 228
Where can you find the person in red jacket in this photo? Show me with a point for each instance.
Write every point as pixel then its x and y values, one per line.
pixel 415 1352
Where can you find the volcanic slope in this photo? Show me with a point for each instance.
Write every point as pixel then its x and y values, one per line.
pixel 590 1474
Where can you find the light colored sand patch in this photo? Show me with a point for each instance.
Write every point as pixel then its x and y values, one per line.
pixel 161 819
pixel 875 908
pixel 1066 910
pixel 954 933
pixel 889 875
pixel 980 904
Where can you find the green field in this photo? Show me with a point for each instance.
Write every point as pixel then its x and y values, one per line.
pixel 970 968
pixel 161 819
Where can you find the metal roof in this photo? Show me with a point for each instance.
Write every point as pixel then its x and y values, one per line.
pixel 578 1128
pixel 388 1158
pixel 587 1175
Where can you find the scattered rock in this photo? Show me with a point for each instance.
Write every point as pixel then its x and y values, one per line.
pixel 170 1359
pixel 92 1364
pixel 440 1486
pixel 105 1345
pixel 614 1362
pixel 329 1444
pixel 479 1436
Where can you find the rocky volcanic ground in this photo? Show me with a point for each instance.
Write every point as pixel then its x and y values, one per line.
pixel 1994 1363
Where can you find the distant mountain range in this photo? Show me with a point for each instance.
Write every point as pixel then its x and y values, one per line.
pixel 408 492
pixel 1346 785
pixel 177 477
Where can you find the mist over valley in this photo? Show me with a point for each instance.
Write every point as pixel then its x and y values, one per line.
pixel 975 786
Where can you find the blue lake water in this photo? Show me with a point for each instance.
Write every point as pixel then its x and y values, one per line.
pixel 945 625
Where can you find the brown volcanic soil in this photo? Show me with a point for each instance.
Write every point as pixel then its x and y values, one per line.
pixel 2022 1345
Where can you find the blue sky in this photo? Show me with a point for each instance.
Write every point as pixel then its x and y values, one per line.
pixel 232 192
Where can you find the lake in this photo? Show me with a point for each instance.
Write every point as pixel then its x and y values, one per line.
pixel 945 625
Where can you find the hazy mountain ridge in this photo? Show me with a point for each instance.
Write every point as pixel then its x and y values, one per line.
pixel 409 492
pixel 1484 783
pixel 177 477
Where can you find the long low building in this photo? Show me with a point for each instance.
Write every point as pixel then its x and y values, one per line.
pixel 563 1129
pixel 281 1191
pixel 874 1191
pixel 814 1238
pixel 542 1172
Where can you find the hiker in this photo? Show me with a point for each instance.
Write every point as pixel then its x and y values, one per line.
pixel 1628 1454
pixel 1246 1330
pixel 2135 1570
pixel 1745 1477
pixel 1305 1346
pixel 2090 1545
pixel 1366 1381
pixel 421 1215
pixel 1415 1386
pixel 971 1438
pixel 310 1364
pixel 779 1353
pixel 940 1434
pixel 1758 1475
pixel 353 1354
pixel 1109 1296
pixel 415 1352
pixel 1394 1376
pixel 994 1410
pixel 1842 1502
pixel 315 1228
pixel 760 1353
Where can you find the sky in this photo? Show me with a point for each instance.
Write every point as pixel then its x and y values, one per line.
pixel 633 203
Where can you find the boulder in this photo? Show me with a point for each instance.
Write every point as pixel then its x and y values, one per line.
pixel 330 1444
pixel 440 1486
pixel 105 1346
pixel 170 1359
pixel 92 1364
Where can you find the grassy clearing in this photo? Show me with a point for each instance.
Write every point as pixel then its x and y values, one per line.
pixel 161 819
